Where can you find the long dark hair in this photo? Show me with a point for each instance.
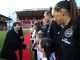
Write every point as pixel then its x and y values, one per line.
pixel 70 6
pixel 38 25
pixel 46 44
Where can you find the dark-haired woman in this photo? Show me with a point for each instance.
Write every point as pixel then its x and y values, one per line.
pixel 53 27
pixel 37 28
pixel 66 14
pixel 52 30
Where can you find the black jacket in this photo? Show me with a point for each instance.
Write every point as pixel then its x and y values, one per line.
pixel 52 33
pixel 69 42
pixel 20 32
pixel 11 44
pixel 53 29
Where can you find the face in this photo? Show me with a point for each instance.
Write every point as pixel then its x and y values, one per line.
pixel 44 21
pixel 46 17
pixel 41 49
pixel 34 27
pixel 58 16
pixel 17 27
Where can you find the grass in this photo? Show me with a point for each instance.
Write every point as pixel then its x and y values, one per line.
pixel 25 32
pixel 2 37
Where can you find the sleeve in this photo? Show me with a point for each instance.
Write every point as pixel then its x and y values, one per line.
pixel 55 29
pixel 20 32
pixel 14 41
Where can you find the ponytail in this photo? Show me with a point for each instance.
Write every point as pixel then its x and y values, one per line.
pixel 51 10
pixel 73 9
pixel 74 13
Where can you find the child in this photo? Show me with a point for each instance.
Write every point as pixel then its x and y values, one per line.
pixel 36 46
pixel 37 28
pixel 39 37
pixel 47 49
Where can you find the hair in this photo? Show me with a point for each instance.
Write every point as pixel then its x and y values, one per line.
pixel 70 6
pixel 38 25
pixel 40 35
pixel 48 13
pixel 15 23
pixel 46 44
pixel 51 11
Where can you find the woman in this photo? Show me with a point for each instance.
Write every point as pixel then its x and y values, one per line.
pixel 12 43
pixel 37 28
pixel 52 29
pixel 66 14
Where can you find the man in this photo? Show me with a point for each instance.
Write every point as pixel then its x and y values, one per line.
pixel 12 42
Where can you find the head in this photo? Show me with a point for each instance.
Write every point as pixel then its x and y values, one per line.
pixel 46 46
pixel 37 26
pixel 16 26
pixel 65 9
pixel 48 16
pixel 44 21
pixel 39 36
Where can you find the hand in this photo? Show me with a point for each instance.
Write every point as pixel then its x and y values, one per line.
pixel 21 37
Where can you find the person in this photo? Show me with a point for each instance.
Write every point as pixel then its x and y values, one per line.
pixel 53 29
pixel 45 25
pixel 39 37
pixel 66 14
pixel 12 43
pixel 46 48
pixel 20 33
pixel 37 28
